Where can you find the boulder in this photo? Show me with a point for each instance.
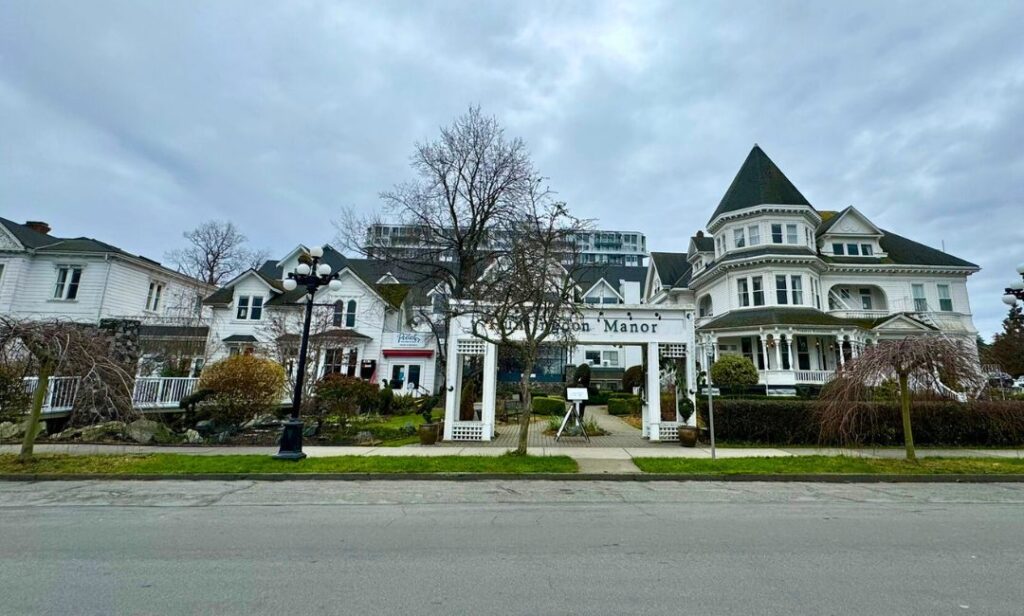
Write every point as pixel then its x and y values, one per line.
pixel 193 437
pixel 103 431
pixel 205 427
pixel 146 431
pixel 11 430
pixel 262 421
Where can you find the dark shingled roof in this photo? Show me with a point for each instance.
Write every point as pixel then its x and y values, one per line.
pixel 799 251
pixel 758 181
pixel 588 275
pixel 673 268
pixel 908 252
pixel 704 243
pixel 241 338
pixel 796 316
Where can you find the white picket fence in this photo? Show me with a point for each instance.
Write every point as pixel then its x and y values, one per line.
pixel 150 393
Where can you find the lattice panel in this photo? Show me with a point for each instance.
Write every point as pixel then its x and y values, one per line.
pixel 673 350
pixel 669 431
pixel 471 346
pixel 467 431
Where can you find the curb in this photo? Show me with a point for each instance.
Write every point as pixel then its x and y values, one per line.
pixel 638 477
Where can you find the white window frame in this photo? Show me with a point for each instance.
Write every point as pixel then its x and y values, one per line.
pixel 948 297
pixel 816 290
pixel 781 293
pixel 155 294
pixel 756 289
pixel 796 289
pixel 64 284
pixel 754 235
pixel 867 300
pixel 743 292
pixel 792 233
pixel 920 302
pixel 739 237
pixel 782 232
pixel 867 250
pixel 610 359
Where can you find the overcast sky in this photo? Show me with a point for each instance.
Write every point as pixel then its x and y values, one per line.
pixel 131 122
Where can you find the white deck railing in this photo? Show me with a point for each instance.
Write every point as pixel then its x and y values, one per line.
pixel 149 392
pixel 814 376
pixel 161 392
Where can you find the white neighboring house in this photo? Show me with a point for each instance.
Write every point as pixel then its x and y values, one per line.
pixel 366 329
pixel 609 286
pixel 82 279
pixel 800 291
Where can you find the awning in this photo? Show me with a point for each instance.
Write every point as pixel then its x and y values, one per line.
pixel 408 353
pixel 240 339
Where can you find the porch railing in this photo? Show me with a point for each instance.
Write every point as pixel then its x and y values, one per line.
pixel 148 393
pixel 161 392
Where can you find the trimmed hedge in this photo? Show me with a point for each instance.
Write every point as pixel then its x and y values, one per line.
pixel 947 423
pixel 548 406
pixel 629 405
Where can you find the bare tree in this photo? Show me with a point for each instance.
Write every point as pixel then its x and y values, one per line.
pixel 215 253
pixel 104 386
pixel 918 363
pixel 467 181
pixel 528 297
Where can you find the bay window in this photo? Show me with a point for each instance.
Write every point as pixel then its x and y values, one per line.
pixel 797 284
pixel 791 235
pixel 738 238
pixel 754 235
pixel 776 234
pixel 757 282
pixel 744 295
pixel 781 292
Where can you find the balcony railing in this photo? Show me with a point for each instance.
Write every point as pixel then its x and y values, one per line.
pixel 796 377
pixel 859 314
pixel 60 392
pixel 149 393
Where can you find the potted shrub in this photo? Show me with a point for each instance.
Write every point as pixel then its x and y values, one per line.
pixel 429 430
pixel 687 434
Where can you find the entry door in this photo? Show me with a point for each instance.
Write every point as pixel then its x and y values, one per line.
pixel 405 376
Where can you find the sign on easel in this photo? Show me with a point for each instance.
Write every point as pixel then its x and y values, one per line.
pixel 576 395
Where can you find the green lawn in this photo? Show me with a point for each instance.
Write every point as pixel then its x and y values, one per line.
pixel 831 465
pixel 183 464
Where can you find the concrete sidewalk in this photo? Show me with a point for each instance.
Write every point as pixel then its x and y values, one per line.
pixel 577 453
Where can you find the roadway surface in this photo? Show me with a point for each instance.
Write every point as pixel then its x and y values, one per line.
pixel 510 547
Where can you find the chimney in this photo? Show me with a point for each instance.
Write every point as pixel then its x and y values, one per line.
pixel 38 226
pixel 700 234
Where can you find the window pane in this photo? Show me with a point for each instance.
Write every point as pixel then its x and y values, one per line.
pixel 776 234
pixel 781 295
pixel 791 234
pixel 338 317
pixel 744 297
pixel 58 290
pixel 738 238
pixel 414 376
pixel 945 301
pixel 757 282
pixel 853 250
pixel 350 314
pixel 920 303
pixel 257 309
pixel 837 249
pixel 76 277
pixel 798 289
pixel 754 235
pixel 867 250
pixel 243 307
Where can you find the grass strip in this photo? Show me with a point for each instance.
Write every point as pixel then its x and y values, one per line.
pixel 184 464
pixel 831 465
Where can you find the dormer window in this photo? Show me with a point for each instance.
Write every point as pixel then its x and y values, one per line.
pixel 853 250
pixel 867 250
pixel 837 249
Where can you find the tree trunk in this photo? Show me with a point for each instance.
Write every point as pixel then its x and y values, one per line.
pixel 908 434
pixel 524 415
pixel 38 397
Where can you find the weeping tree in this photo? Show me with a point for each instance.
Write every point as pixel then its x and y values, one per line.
pixel 919 365
pixel 528 298
pixel 103 389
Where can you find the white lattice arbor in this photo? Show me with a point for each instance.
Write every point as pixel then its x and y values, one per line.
pixel 664 331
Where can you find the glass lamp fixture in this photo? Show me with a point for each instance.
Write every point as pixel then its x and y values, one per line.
pixel 323 270
pixel 1017 285
pixel 1020 269
pixel 302 269
pixel 334 285
pixel 316 252
pixel 1009 300
pixel 290 284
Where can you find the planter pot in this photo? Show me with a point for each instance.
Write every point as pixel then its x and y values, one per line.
pixel 428 433
pixel 688 436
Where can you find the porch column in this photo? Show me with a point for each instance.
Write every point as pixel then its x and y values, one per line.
pixel 790 340
pixel 764 352
pixel 490 390
pixel 653 390
pixel 839 347
pixel 854 350
pixel 778 350
pixel 714 347
pixel 451 395
pixel 691 372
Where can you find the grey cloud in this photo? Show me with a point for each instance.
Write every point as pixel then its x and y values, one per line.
pixel 132 121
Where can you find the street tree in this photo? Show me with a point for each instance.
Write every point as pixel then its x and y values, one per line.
pixel 1007 348
pixel 527 297
pixel 917 364
pixel 467 183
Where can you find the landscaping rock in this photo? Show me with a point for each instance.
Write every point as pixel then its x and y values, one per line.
pixel 311 429
pixel 103 431
pixel 11 430
pixel 192 437
pixel 147 431
pixel 205 427
pixel 263 421
pixel 223 436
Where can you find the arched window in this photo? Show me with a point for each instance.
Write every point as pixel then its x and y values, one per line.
pixel 339 313
pixel 350 314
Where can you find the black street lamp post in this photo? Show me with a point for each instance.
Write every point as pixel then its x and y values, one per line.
pixel 1015 292
pixel 312 276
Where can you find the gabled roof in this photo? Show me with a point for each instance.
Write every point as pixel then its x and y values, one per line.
pixel 829 221
pixel 588 276
pixel 673 268
pixel 759 181
pixel 908 252
pixel 29 238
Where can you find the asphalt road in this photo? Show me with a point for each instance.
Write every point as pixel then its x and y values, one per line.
pixel 512 547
